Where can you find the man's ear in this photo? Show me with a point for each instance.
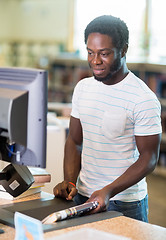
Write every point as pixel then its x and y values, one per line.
pixel 124 50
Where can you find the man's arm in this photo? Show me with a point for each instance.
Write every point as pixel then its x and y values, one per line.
pixel 72 161
pixel 148 147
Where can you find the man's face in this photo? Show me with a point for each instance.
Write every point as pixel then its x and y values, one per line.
pixel 103 58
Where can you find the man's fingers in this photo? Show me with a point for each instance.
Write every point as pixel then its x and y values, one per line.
pixel 72 193
pixel 61 190
pixel 65 190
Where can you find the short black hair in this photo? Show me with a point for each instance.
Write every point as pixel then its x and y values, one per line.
pixel 111 26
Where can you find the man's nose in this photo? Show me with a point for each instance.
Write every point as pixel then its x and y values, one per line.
pixel 97 59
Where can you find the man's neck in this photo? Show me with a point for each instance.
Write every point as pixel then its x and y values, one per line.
pixel 118 76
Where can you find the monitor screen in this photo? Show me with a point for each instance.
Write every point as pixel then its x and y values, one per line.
pixel 23 116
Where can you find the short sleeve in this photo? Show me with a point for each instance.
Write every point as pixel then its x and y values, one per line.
pixel 147 116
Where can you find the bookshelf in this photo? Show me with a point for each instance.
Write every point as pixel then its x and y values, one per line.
pixel 66 72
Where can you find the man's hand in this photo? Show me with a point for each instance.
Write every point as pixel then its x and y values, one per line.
pixel 65 190
pixel 102 197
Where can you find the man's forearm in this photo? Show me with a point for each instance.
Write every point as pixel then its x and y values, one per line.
pixel 72 161
pixel 132 175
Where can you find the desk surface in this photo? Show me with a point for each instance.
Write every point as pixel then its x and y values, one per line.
pixel 124 226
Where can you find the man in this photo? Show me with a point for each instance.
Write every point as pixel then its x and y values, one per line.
pixel 115 121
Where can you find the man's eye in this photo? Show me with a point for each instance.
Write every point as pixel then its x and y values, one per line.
pixel 104 54
pixel 90 53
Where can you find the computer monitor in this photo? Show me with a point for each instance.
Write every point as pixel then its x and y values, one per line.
pixel 23 116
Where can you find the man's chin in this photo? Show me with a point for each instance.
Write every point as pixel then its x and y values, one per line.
pixel 103 79
pixel 99 79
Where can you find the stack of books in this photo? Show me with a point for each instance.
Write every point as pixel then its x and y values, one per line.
pixel 41 177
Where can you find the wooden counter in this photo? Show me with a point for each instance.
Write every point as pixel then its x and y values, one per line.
pixel 127 227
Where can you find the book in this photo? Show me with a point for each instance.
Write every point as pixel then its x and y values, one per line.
pixel 40 175
pixel 32 190
pixel 70 212
pixel 36 184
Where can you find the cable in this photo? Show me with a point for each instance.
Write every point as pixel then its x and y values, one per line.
pixel 18 154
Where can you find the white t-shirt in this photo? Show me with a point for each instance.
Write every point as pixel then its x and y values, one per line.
pixel 111 117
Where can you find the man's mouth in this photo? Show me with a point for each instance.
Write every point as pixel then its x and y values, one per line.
pixel 98 71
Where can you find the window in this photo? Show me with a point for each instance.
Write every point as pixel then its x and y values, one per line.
pixel 143 18
pixel 157 51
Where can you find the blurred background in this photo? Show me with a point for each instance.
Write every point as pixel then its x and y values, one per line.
pixel 49 34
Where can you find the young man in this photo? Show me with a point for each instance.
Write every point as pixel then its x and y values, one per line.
pixel 115 121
